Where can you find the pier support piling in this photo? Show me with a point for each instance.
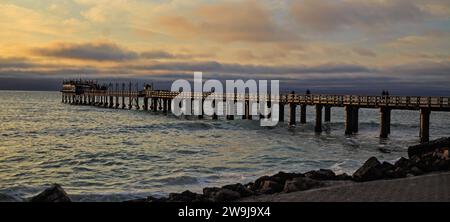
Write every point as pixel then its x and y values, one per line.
pixel 424 125
pixel 303 114
pixel 355 121
pixel 318 127
pixel 281 112
pixel 349 120
pixel 292 108
pixel 327 114
pixel 385 122
pixel 145 106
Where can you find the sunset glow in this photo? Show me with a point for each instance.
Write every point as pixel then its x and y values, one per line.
pixel 346 41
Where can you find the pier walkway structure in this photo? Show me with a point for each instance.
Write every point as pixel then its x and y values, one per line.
pixel 125 96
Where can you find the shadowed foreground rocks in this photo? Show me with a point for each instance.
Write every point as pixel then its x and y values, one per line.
pixel 424 158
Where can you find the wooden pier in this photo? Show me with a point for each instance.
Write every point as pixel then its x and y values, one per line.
pixel 123 96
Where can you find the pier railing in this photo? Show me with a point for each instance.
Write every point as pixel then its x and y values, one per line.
pixel 161 100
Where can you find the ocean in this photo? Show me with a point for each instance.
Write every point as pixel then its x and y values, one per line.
pixel 100 154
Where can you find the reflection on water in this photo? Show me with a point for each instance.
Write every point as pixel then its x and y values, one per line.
pixel 104 154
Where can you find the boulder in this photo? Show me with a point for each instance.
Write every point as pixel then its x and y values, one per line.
pixel 394 173
pixel 156 200
pixel 209 192
pixel 241 189
pixel 431 146
pixel 321 174
pixel 300 184
pixel 369 171
pixel 416 171
pixel 258 183
pixel 385 166
pixel 343 176
pixel 270 187
pixel 55 193
pixel 220 194
pixel 186 196
pixel 282 177
pixel 440 165
pixel 404 163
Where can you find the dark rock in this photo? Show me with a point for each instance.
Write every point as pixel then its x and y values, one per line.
pixel 186 196
pixel 300 184
pixel 369 171
pixel 282 177
pixel 155 199
pixel 140 200
pixel 431 146
pixel 55 193
pixel 220 194
pixel 396 172
pixel 241 189
pixel 440 165
pixel 270 187
pixel 258 183
pixel 343 176
pixel 404 163
pixel 416 171
pixel 209 192
pixel 321 174
pixel 385 166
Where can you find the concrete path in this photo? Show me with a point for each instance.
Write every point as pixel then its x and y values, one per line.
pixel 426 188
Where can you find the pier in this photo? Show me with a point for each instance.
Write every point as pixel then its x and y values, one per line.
pixel 128 96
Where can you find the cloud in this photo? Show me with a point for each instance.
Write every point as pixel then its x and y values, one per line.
pixel 325 16
pixel 422 70
pixel 364 52
pixel 245 21
pixel 157 55
pixel 217 67
pixel 101 51
pixel 15 63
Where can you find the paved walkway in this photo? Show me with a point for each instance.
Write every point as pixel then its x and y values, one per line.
pixel 427 188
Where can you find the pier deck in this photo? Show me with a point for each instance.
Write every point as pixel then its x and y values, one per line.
pixel 88 93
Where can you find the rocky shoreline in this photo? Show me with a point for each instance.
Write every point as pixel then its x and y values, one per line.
pixel 422 159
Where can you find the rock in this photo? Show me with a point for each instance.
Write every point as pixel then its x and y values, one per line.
pixel 220 194
pixel 270 187
pixel 343 176
pixel 140 200
pixel 209 192
pixel 300 184
pixel 241 189
pixel 321 174
pixel 55 193
pixel 385 166
pixel 397 172
pixel 431 146
pixel 282 177
pixel 404 163
pixel 258 183
pixel 186 196
pixel 440 165
pixel 156 200
pixel 369 171
pixel 445 154
pixel 416 171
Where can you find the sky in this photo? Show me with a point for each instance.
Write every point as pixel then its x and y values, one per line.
pixel 327 45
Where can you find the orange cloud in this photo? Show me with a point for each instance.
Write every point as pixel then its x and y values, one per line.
pixel 247 21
